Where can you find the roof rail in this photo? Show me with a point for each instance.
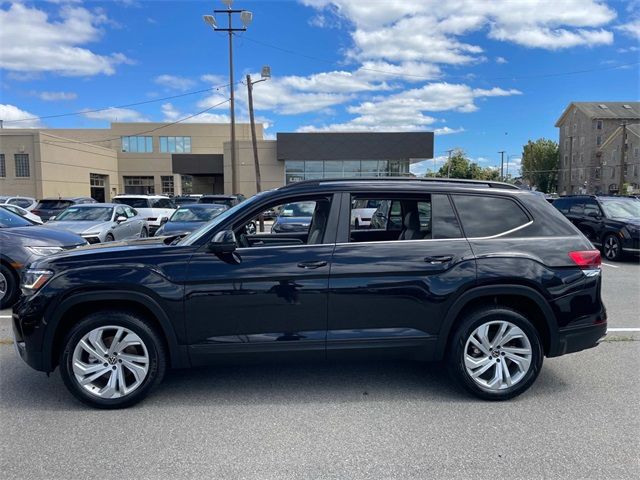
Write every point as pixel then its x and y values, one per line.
pixel 463 181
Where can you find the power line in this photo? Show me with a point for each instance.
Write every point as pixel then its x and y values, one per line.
pixel 127 105
pixel 426 77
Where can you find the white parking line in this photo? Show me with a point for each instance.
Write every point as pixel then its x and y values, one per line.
pixel 630 329
pixel 5 316
pixel 609 265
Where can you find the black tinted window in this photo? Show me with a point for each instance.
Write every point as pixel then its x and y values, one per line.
pixel 577 208
pixel 53 204
pixel 445 222
pixel 563 204
pixel 488 216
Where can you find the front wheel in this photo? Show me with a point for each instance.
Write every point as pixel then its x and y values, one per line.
pixel 8 287
pixel 496 353
pixel 109 237
pixel 144 233
pixel 612 248
pixel 112 359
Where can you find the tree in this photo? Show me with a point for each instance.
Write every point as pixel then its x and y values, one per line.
pixel 540 162
pixel 462 167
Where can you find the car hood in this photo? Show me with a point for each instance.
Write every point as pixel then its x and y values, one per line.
pixel 79 227
pixel 43 236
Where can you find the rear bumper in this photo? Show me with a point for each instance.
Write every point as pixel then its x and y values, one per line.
pixel 575 339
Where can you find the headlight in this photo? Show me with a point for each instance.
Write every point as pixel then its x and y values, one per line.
pixel 42 251
pixel 92 234
pixel 34 280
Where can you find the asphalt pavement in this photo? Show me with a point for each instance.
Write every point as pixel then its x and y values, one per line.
pixel 581 419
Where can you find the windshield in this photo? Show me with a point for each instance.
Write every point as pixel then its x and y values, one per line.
pixel 195 214
pixel 132 202
pixel 621 208
pixel 85 214
pixel 301 209
pixel 9 219
pixel 200 232
pixel 53 204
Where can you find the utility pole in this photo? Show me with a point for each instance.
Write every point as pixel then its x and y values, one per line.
pixel 501 152
pixel 623 154
pixel 245 17
pixel 449 164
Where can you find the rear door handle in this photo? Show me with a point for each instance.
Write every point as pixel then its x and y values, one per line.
pixel 437 259
pixel 312 265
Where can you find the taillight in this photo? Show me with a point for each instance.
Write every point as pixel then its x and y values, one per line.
pixel 586 259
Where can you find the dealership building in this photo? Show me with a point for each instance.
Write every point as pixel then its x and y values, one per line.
pixel 175 159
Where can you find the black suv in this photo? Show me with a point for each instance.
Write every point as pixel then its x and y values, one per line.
pixel 492 281
pixel 610 222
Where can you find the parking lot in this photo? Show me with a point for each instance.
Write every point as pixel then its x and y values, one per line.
pixel 358 420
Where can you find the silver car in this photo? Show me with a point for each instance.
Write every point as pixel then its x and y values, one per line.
pixel 101 222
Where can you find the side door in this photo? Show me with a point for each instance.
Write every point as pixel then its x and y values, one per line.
pixel 592 223
pixel 120 230
pixel 391 286
pixel 134 222
pixel 268 300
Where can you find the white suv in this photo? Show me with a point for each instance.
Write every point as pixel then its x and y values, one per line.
pixel 153 207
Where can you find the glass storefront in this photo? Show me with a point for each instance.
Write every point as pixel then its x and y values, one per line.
pixel 298 170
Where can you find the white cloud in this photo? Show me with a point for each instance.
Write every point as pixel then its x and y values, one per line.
pixel 114 114
pixel 31 42
pixel 551 39
pixel 57 96
pixel 9 113
pixel 631 28
pixel 501 60
pixel 175 82
pixel 447 130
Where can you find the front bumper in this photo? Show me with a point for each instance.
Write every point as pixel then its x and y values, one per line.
pixel 31 357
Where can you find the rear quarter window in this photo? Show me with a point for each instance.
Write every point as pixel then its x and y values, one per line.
pixel 486 216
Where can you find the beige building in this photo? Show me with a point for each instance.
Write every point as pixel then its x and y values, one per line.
pixel 591 146
pixel 176 159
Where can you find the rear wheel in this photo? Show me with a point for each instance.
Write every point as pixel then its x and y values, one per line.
pixel 8 287
pixel 112 359
pixel 612 248
pixel 496 353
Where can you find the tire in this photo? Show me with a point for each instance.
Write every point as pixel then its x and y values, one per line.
pixel 109 238
pixel 144 233
pixel 466 357
pixel 139 373
pixel 9 287
pixel 612 248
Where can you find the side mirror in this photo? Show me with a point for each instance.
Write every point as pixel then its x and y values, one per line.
pixel 121 219
pixel 164 220
pixel 223 242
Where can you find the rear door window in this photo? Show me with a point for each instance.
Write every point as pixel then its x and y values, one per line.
pixel 486 216
pixel 577 208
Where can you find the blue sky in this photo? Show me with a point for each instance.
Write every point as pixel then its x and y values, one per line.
pixel 485 76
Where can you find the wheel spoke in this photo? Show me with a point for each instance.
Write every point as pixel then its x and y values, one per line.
pixel 110 389
pixel 114 347
pixel 478 344
pixel 482 369
pixel 522 362
pixel 122 386
pixel 89 379
pixel 483 335
pixel 90 350
pixel 129 340
pixel 497 340
pixel 81 368
pixel 95 338
pixel 473 362
pixel 133 358
pixel 497 376
pixel 506 374
pixel 138 371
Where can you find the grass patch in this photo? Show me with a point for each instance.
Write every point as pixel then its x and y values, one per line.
pixel 620 338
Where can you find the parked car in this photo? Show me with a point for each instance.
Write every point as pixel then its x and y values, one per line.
pixel 228 200
pixel 22 212
pixel 152 207
pixel 294 218
pixel 102 222
pixel 610 222
pixel 186 199
pixel 188 218
pixel 490 286
pixel 28 203
pixel 50 207
pixel 362 211
pixel 23 242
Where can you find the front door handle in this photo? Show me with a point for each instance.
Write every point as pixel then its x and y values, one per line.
pixel 437 259
pixel 312 265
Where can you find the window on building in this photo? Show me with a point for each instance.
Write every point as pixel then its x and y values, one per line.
pixel 484 216
pixel 625 170
pixel 636 152
pixel 597 173
pixel 575 127
pixel 139 185
pixel 581 158
pixel 566 129
pixel 22 165
pixel 599 125
pixel 167 184
pixel 599 140
pixel 298 170
pixel 137 144
pixel 187 184
pixel 582 141
pixel 566 144
pixel 635 170
pixel 613 172
pixel 3 166
pixel 175 144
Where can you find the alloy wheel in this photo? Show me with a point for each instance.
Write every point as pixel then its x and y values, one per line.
pixel 611 247
pixel 497 355
pixel 4 286
pixel 110 361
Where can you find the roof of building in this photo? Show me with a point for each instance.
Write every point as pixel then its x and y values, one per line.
pixel 628 110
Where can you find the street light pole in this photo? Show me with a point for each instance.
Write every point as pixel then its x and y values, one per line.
pixel 246 18
pixel 266 74
pixel 501 152
pixel 449 164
